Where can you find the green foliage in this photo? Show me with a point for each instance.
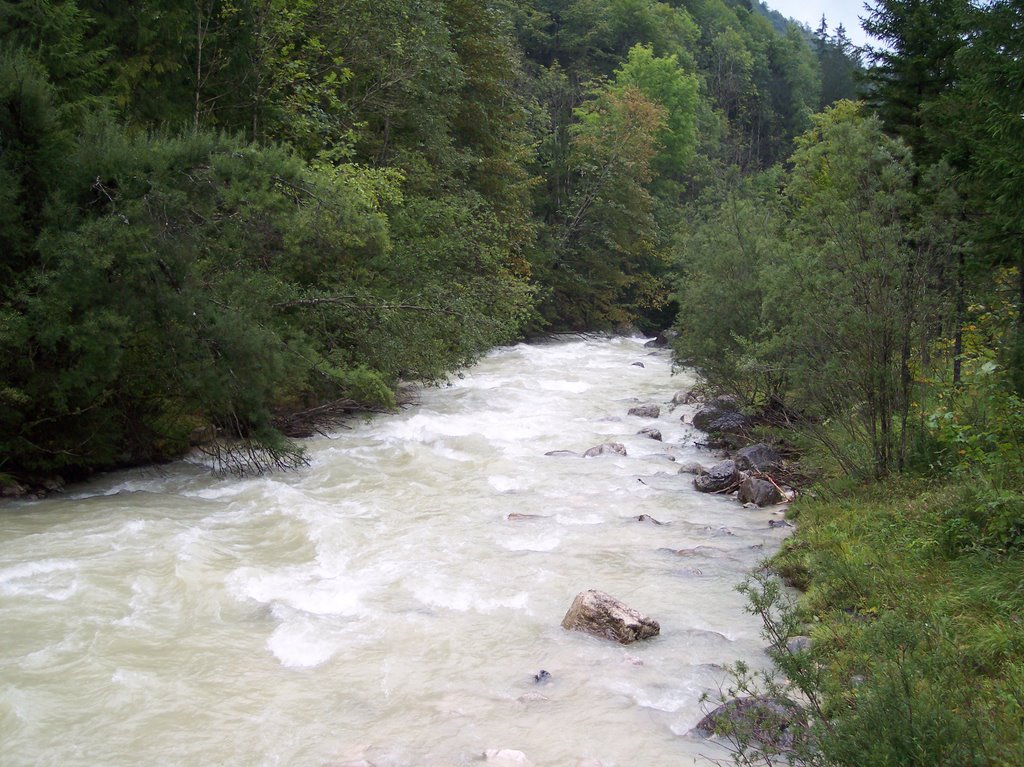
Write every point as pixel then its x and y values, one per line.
pixel 818 299
pixel 840 64
pixel 216 212
pixel 723 254
pixel 916 65
pixel 663 82
pixel 916 648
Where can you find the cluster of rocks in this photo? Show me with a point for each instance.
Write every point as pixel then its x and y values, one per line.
pixel 747 473
pixel 41 490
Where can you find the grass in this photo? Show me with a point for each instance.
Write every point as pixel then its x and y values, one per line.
pixel 919 648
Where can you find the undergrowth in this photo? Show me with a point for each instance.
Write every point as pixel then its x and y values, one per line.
pixel 918 654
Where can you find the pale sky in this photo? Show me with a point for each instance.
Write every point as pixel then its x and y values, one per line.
pixel 836 11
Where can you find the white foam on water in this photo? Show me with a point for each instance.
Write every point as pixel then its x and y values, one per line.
pixel 465 598
pixel 540 543
pixel 53 579
pixel 505 484
pixel 573 387
pixel 581 519
pixel 303 644
pixel 32 569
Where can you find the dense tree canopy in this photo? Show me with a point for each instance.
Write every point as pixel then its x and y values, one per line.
pixel 215 214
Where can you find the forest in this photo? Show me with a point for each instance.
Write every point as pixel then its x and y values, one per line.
pixel 225 223
pixel 235 219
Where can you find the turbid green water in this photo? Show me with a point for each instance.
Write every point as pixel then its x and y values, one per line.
pixel 380 606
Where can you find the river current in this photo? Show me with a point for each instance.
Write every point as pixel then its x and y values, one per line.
pixel 380 607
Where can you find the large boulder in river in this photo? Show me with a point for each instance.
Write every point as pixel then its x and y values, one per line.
pixel 720 477
pixel 645 411
pixel 608 448
pixel 760 492
pixel 759 457
pixel 599 614
pixel 775 723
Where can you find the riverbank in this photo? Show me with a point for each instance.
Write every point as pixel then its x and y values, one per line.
pixel 918 646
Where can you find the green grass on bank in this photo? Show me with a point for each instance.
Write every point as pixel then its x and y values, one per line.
pixel 918 650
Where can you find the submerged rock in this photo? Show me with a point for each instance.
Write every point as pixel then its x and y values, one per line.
pixel 563 454
pixel 645 411
pixel 651 432
pixel 602 615
pixel 692 468
pixel 720 477
pixel 649 518
pixel 608 448
pixel 533 697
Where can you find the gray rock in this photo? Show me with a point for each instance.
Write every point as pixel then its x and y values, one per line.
pixel 778 523
pixel 760 457
pixel 722 415
pixel 661 457
pixel 13 490
pixel 720 477
pixel 684 397
pixel 774 722
pixel 650 431
pixel 729 423
pixel 693 468
pixel 638 365
pixel 703 417
pixel 726 402
pixel 645 411
pixel 608 448
pixel 54 485
pixel 798 644
pixel 562 454
pixel 599 614
pixel 760 492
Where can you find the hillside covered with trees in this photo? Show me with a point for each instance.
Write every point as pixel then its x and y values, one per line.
pixel 216 215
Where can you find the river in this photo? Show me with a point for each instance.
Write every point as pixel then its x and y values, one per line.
pixel 379 606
